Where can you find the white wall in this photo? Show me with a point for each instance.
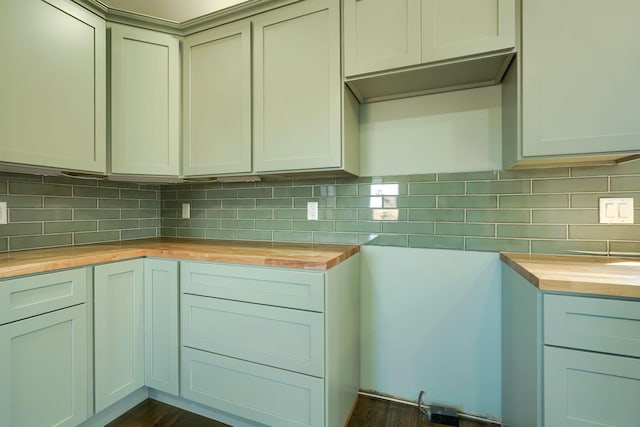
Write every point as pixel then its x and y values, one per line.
pixel 448 132
pixel 431 321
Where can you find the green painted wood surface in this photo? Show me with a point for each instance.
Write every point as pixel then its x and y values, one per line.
pixel 161 339
pixel 380 35
pixel 585 389
pixel 43 366
pixel 297 87
pixel 268 395
pixel 217 101
pixel 52 108
pixel 118 330
pixel 145 102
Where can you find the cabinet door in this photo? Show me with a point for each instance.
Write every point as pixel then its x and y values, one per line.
pixel 455 28
pixel 118 331
pixel 145 102
pixel 52 80
pixel 587 389
pixel 161 325
pixel 43 366
pixel 217 101
pixel 380 35
pixel 580 91
pixel 297 87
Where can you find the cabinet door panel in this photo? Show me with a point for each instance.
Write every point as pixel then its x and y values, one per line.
pixel 145 99
pixel 581 62
pixel 52 80
pixel 455 28
pixel 380 35
pixel 217 101
pixel 119 329
pixel 43 366
pixel 584 389
pixel 297 87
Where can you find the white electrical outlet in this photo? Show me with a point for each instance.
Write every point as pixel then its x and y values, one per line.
pixel 4 217
pixel 186 210
pixel 616 210
pixel 312 211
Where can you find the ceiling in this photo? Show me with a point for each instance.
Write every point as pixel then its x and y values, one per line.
pixel 177 11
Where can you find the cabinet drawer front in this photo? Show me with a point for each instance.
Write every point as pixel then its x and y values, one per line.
pixel 271 286
pixel 261 393
pixel 598 324
pixel 29 296
pixel 587 389
pixel 280 337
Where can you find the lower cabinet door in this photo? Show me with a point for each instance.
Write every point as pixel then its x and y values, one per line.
pixel 43 370
pixel 261 393
pixel 587 389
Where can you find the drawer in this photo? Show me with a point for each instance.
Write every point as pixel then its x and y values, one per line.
pixel 267 395
pixel 597 324
pixel 272 286
pixel 590 389
pixel 33 295
pixel 280 337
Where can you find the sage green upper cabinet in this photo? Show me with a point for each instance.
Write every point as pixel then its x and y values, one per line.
pixel 53 84
pixel 381 34
pixel 298 93
pixel 145 102
pixel 412 47
pixel 217 101
pixel 573 97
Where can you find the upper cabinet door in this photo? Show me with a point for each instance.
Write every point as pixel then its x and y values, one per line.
pixel 456 28
pixel 52 81
pixel 297 87
pixel 217 101
pixel 380 34
pixel 580 68
pixel 145 102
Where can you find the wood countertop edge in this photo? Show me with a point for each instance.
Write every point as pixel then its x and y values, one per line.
pixel 110 253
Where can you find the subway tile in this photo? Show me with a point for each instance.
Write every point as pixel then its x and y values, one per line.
pixel 266 224
pixel 168 232
pixel 169 195
pixel 28 188
pixel 140 233
pixel 313 225
pixel 24 215
pixel 436 242
pixel 237 224
pixel 632 167
pixel 222 194
pixel 534 201
pixel 221 234
pixel 238 185
pixel 3 190
pixel 170 204
pixel 277 182
pixel 182 195
pixel 532 231
pixel 323 202
pixel 398 240
pixel 22 201
pixel 192 233
pixel 4 244
pixel 499 187
pixel 574 247
pixel 462 229
pixel 293 192
pixel 416 201
pixel 314 181
pixel 570 185
pixel 408 227
pixel 117 203
pixel 438 215
pixel 293 236
pixel 273 203
pixel 346 190
pixel 534 173
pixel 358 226
pixel 137 213
pixel 340 238
pixel 566 216
pixel 80 214
pixel 436 188
pixel 353 202
pixel 255 214
pixel 204 223
pixel 106 193
pixel 20 229
pixel 499 216
pixel 497 245
pixel 15 177
pixel 468 176
pixel 69 226
pixel 365 238
pixel 255 193
pixel 605 232
pixel 591 200
pixel 255 235
pixel 177 222
pixel 222 213
pixel 152 204
pixel 385 189
pixel 382 214
pixel 624 248
pixel 324 191
pixel 70 202
pixel 239 203
pixel 95 237
pixel 44 241
pixel 114 184
pixel 149 223
pixel 117 224
pixel 69 180
pixel 625 183
pixel 431 177
pixel 292 214
pixel 203 204
pixel 337 214
pixel 467 201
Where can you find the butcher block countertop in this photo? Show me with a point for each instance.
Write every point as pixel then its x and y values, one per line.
pixel 618 277
pixel 293 255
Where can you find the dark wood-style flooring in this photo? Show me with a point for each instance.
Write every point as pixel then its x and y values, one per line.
pixel 369 412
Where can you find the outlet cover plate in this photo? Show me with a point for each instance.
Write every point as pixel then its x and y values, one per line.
pixel 312 211
pixel 3 213
pixel 616 210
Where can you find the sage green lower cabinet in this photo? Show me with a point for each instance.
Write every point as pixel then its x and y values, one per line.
pixel 43 350
pixel 568 360
pixel 272 345
pixel 161 325
pixel 118 330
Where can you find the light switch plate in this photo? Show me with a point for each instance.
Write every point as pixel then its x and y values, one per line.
pixel 3 213
pixel 616 210
pixel 312 211
pixel 186 210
